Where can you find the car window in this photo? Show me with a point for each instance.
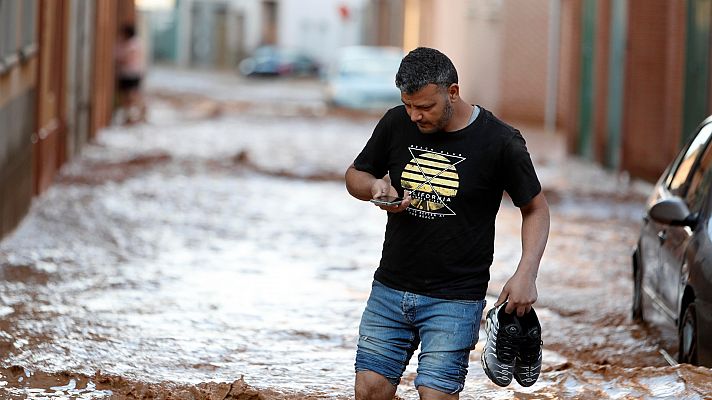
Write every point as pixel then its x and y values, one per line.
pixel 678 179
pixel 700 181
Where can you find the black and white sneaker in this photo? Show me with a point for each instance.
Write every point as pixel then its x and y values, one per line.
pixel 503 335
pixel 528 361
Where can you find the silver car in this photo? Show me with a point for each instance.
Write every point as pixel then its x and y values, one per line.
pixel 363 77
pixel 672 263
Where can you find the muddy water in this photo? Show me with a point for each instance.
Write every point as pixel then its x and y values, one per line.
pixel 253 283
pixel 175 259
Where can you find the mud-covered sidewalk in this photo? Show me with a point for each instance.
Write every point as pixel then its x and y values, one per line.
pixel 214 253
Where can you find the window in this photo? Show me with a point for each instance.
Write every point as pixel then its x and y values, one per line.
pixel 28 40
pixel 678 178
pixel 8 28
pixel 700 182
pixel 18 39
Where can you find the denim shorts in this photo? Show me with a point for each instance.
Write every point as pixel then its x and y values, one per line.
pixel 395 322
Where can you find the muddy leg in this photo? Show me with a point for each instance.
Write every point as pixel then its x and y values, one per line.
pixel 136 107
pixel 432 394
pixel 373 386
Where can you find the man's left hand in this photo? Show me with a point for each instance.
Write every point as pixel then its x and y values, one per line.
pixel 521 292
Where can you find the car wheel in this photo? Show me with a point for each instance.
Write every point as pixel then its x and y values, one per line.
pixel 687 352
pixel 637 309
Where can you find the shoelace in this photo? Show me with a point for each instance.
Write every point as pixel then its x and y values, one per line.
pixel 529 350
pixel 507 346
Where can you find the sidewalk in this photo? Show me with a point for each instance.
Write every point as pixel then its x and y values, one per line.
pixel 566 173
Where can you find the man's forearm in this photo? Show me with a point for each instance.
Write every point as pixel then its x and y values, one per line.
pixel 535 232
pixel 359 183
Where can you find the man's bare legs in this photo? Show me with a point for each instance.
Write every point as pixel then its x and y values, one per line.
pixel 132 105
pixel 136 106
pixel 427 393
pixel 374 386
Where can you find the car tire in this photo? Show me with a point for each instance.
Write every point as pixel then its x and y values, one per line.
pixel 687 350
pixel 637 308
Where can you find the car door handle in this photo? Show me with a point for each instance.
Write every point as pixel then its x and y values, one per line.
pixel 662 235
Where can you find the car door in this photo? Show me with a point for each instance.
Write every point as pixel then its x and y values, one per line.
pixel 649 244
pixel 653 233
pixel 691 182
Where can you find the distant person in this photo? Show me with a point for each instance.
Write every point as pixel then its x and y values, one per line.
pixel 446 164
pixel 130 71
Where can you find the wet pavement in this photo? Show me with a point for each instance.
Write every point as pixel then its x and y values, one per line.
pixel 214 253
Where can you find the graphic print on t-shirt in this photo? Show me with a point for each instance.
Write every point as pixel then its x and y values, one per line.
pixel 432 179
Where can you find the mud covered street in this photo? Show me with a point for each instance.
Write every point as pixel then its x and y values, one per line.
pixel 214 253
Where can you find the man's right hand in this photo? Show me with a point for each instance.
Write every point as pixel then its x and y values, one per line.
pixel 382 187
pixel 364 186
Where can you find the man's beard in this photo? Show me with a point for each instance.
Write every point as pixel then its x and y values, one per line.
pixel 444 119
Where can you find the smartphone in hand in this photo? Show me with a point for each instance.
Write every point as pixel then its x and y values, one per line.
pixel 387 201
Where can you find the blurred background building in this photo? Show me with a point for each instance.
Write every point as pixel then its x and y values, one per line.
pixel 626 81
pixel 220 33
pixel 56 89
pixel 623 81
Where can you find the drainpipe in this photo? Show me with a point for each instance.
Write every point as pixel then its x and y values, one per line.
pixel 552 78
pixel 184 28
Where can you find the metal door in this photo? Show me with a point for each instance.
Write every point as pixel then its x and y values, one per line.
pixel 616 82
pixel 697 65
pixel 49 141
pixel 79 74
pixel 587 92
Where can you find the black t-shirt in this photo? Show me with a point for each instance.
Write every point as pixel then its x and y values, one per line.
pixel 442 245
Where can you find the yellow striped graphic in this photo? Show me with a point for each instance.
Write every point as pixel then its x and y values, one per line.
pixel 434 181
pixel 430 172
pixel 439 165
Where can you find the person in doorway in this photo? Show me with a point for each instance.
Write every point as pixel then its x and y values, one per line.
pixel 130 70
pixel 450 162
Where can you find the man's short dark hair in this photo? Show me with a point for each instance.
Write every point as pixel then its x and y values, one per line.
pixel 424 66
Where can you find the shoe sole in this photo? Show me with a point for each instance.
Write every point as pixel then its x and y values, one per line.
pixel 527 384
pixel 488 372
pixel 524 384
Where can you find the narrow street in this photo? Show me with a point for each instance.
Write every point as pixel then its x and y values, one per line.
pixel 215 253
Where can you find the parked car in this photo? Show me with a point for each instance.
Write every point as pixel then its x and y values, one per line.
pixel 363 77
pixel 276 61
pixel 672 262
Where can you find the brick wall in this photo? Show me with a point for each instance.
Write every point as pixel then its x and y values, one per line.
pixel 653 86
pixel 674 72
pixel 18 81
pixel 17 120
pixel 524 59
pixel 480 75
pixel 601 58
pixel 567 107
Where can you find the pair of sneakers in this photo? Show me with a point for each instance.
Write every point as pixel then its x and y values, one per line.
pixel 513 347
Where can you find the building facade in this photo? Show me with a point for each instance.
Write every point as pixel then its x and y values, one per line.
pixel 18 98
pixel 220 33
pixel 56 90
pixel 626 81
pixel 500 47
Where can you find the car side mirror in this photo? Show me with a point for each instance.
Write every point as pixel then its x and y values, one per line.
pixel 672 211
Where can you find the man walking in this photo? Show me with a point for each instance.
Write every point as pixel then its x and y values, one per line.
pixel 450 162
